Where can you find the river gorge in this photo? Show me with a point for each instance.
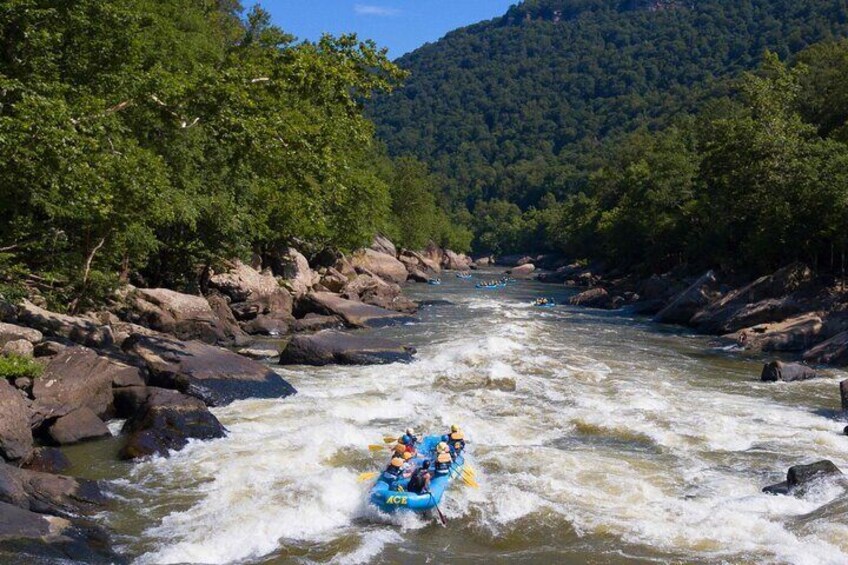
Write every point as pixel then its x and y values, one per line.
pixel 598 437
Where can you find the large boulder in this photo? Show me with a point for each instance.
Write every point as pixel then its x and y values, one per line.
pixel 418 262
pixel 80 425
pixel 26 536
pixel 75 378
pixel 833 351
pixel 233 332
pixel 11 332
pixel 522 271
pixel 215 375
pixel 800 477
pixel 15 435
pixel 767 299
pixel 387 267
pixel 383 244
pixel 47 460
pixel 375 291
pixel 297 275
pixel 595 298
pixel 166 421
pixel 338 348
pixel 79 330
pixel 185 316
pixel 48 493
pixel 354 314
pixel 794 334
pixel 788 372
pixel 688 302
pixel 455 261
pixel 255 296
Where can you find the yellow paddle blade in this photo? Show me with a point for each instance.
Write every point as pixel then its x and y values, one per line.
pixel 470 482
pixel 376 448
pixel 388 439
pixel 468 469
pixel 366 477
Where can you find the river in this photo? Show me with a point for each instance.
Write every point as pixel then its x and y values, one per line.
pixel 597 437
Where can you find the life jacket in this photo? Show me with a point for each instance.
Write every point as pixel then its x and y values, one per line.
pixel 456 442
pixel 418 481
pixel 392 473
pixel 443 464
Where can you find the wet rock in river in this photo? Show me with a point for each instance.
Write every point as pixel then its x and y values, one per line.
pixel 49 494
pixel 355 314
pixel 834 351
pixel 80 425
pixel 29 537
pixel 166 421
pixel 780 371
pixel 47 460
pixel 337 348
pixel 217 376
pixel 843 393
pixel 799 477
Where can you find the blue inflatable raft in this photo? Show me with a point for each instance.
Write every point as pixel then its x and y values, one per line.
pixel 389 499
pixel 490 286
pixel 434 282
pixel 549 304
pixel 464 276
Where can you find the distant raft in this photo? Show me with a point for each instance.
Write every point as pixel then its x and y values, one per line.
pixel 434 282
pixel 482 286
pixel 464 276
pixel 548 304
pixel 390 500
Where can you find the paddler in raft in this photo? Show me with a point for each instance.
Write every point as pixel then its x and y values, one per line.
pixel 455 440
pixel 443 460
pixel 393 472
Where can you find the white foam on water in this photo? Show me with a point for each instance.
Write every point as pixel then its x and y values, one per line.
pixel 616 437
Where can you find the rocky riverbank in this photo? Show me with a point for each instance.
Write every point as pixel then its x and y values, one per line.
pixel 158 359
pixel 792 313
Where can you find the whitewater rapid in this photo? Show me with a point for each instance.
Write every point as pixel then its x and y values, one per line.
pixel 594 436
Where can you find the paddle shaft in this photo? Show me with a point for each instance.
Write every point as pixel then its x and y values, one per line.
pixel 442 518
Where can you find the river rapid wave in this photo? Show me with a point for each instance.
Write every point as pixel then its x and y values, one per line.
pixel 596 438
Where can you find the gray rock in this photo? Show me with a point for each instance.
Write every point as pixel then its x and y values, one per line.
pixel 75 378
pixel 19 347
pixel 522 271
pixel 596 298
pixel 788 372
pixel 387 267
pixel 799 477
pixel 27 537
pixel 686 304
pixel 833 351
pixel 316 322
pixel 166 421
pixel 355 314
pixel 338 348
pixel 49 494
pixel 49 348
pixel 80 425
pixel 47 460
pixel 11 332
pixel 77 330
pixel 15 434
pixel 216 375
pixel 767 299
pixel 843 393
pixel 259 352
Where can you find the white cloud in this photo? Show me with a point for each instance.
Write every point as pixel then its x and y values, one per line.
pixel 371 10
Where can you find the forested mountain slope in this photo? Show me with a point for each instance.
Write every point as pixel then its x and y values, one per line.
pixel 516 107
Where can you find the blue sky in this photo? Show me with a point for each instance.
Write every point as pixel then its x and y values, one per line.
pixel 400 25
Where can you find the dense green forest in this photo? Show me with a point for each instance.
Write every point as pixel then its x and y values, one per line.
pixel 149 139
pixel 534 120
